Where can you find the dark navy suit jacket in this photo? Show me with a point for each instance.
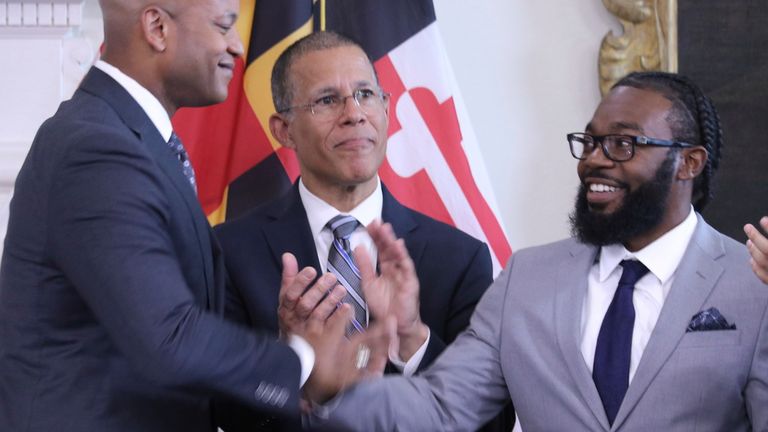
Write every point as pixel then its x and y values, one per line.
pixel 454 269
pixel 112 286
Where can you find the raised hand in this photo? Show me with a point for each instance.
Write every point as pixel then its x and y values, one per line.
pixel 758 248
pixel 297 300
pixel 395 291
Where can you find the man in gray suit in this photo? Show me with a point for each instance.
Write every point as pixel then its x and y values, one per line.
pixel 647 320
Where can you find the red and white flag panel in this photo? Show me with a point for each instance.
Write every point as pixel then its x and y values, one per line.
pixel 433 163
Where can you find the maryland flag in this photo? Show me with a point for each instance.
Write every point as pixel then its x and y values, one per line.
pixel 433 164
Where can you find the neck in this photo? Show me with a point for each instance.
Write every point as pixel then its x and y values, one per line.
pixel 672 219
pixel 342 197
pixel 143 74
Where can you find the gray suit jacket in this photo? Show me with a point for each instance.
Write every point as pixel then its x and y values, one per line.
pixel 523 343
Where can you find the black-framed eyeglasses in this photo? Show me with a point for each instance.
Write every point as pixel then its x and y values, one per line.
pixel 618 148
pixel 330 107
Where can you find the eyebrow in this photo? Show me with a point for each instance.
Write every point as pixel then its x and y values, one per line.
pixel 230 17
pixel 620 126
pixel 331 89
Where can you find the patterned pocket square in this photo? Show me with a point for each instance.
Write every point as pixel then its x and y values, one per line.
pixel 710 319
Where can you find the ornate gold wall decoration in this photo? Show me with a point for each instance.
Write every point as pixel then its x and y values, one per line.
pixel 649 41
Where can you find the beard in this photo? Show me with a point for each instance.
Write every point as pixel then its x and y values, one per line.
pixel 641 211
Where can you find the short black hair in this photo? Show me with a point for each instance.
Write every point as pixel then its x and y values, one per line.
pixel 693 119
pixel 282 88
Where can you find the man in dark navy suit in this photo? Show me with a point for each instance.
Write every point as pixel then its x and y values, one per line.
pixel 333 114
pixel 112 285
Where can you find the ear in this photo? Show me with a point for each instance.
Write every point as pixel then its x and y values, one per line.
pixel 278 125
pixel 154 24
pixel 694 159
pixel 387 101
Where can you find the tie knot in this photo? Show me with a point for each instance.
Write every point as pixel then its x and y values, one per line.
pixel 633 271
pixel 342 226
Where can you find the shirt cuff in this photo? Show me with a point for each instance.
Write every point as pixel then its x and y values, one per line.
pixel 409 367
pixel 306 356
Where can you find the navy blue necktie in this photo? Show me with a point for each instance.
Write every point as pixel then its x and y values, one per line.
pixel 340 263
pixel 181 154
pixel 614 343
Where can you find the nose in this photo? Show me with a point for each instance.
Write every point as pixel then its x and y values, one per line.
pixel 352 112
pixel 235 44
pixel 597 157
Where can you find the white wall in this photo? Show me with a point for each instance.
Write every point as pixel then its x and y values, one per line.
pixel 527 71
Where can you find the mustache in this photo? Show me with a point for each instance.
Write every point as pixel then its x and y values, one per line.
pixel 601 175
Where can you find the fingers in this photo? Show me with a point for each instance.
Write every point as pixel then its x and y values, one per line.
pixel 391 250
pixel 366 267
pixel 334 327
pixel 757 244
pixel 758 239
pixel 329 304
pixel 378 339
pixel 293 282
pixel 312 297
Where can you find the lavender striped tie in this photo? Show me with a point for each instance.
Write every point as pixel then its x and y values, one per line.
pixel 340 263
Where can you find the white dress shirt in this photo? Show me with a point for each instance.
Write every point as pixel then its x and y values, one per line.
pixel 146 100
pixel 159 117
pixel 662 258
pixel 320 212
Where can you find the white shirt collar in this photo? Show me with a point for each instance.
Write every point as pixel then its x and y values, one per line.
pixel 320 212
pixel 146 100
pixel 661 257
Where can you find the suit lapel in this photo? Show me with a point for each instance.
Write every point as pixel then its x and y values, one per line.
pixel 695 278
pixel 402 223
pixel 289 231
pixel 103 86
pixel 568 307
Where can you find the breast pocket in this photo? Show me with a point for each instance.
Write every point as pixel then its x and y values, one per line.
pixel 711 338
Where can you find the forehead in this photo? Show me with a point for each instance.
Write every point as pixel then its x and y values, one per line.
pixel 331 69
pixel 214 8
pixel 632 110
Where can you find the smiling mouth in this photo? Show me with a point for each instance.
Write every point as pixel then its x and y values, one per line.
pixel 228 66
pixel 599 188
pixel 601 195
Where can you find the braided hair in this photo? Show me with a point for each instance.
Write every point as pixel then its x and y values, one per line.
pixel 693 119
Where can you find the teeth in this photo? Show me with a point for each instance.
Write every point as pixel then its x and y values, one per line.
pixel 597 187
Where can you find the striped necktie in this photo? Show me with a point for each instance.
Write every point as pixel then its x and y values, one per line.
pixel 181 154
pixel 340 263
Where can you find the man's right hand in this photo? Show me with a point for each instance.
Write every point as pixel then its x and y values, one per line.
pixel 316 314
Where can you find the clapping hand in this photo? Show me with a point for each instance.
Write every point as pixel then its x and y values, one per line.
pixel 315 312
pixel 758 248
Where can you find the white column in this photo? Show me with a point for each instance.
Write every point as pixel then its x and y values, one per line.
pixel 45 49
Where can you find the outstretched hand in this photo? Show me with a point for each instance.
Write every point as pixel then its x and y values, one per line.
pixel 343 362
pixel 395 291
pixel 315 312
pixel 758 248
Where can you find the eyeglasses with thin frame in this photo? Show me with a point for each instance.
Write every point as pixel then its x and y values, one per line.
pixel 329 107
pixel 618 148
